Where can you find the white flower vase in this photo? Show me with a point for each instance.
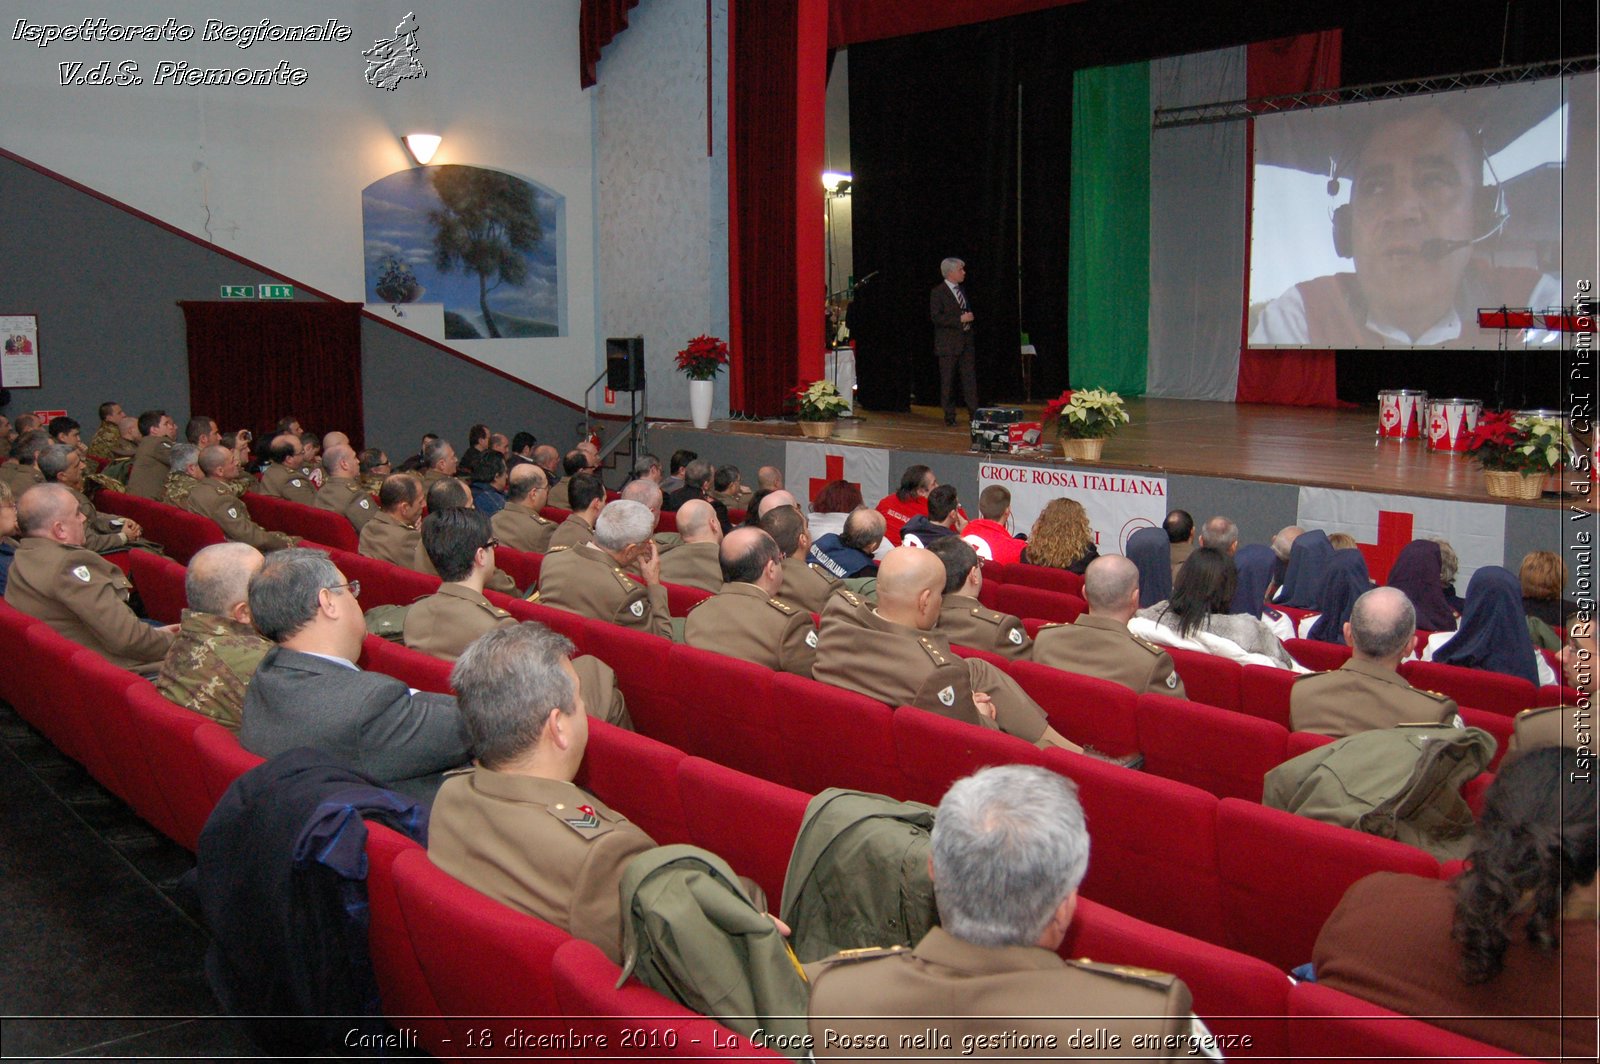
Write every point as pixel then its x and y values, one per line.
pixel 700 394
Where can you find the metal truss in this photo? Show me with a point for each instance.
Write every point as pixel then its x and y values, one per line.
pixel 1233 110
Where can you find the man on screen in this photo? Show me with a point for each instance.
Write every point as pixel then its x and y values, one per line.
pixel 1418 209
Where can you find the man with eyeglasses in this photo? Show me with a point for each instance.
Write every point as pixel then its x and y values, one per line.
pixel 308 690
pixel 461 546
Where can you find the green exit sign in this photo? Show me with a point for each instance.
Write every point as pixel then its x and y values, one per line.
pixel 277 291
pixel 238 291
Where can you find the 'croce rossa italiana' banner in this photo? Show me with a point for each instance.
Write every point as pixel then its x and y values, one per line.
pixel 1118 504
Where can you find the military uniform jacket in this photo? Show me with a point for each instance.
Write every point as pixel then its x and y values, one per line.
pixel 806 585
pixel 148 474
pixel 541 846
pixel 177 487
pixel 743 622
pixel 85 598
pixel 519 529
pixel 387 540
pixel 444 623
pixel 587 581
pixel 499 580
pixel 860 651
pixel 573 532
pixel 964 990
pixel 1180 554
pixel 1359 696
pixel 99 534
pixel 349 497
pixel 281 482
pixel 210 664
pixel 966 622
pixel 693 565
pixel 1104 648
pixel 211 498
pixel 560 496
pixel 19 478
pixel 108 443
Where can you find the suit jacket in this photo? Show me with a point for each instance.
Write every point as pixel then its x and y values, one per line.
pixel 948 335
pixel 367 720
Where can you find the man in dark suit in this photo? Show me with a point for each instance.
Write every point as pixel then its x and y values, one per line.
pixel 308 690
pixel 952 338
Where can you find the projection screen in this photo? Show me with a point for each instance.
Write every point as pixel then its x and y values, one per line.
pixel 1389 224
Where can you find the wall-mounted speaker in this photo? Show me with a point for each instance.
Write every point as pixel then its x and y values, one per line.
pixel 625 363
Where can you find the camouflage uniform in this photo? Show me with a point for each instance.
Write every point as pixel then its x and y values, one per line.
pixel 210 665
pixel 109 445
pixel 177 487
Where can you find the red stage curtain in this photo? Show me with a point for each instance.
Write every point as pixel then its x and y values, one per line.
pixel 252 363
pixel 599 21
pixel 854 21
pixel 777 90
pixel 1298 378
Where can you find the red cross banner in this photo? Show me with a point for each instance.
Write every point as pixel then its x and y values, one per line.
pixel 810 466
pixel 1118 504
pixel 1382 524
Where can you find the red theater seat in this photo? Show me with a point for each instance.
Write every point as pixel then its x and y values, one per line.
pixel 638 777
pixel 731 716
pixel 412 667
pixel 835 738
pixel 179 531
pixel 521 565
pixel 1315 654
pixel 1217 750
pixel 724 803
pixel 167 739
pixel 1088 710
pixel 307 522
pixel 384 584
pixel 1237 995
pixel 401 984
pixel 1472 687
pixel 636 1022
pixel 681 599
pixel 1043 576
pixel 222 759
pixel 1264 692
pixel 1208 678
pixel 160 583
pixel 1283 874
pixel 1021 600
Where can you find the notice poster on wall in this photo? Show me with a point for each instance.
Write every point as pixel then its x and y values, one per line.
pixel 1118 504
pixel 19 354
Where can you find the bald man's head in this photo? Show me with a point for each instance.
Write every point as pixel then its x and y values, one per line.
pixel 645 491
pixel 51 512
pixel 330 440
pixel 1111 586
pixel 697 522
pixel 1382 626
pixel 340 460
pixel 745 557
pixel 910 587
pixel 774 500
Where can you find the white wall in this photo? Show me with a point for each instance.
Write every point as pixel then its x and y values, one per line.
pixel 275 173
pixel 663 190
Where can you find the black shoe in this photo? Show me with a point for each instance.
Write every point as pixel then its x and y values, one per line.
pixel 950 419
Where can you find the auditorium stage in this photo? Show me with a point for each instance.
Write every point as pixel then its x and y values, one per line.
pixel 1313 447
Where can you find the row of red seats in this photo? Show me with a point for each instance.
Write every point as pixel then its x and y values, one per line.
pixel 445 954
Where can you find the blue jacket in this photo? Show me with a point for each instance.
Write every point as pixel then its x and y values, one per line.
pixel 842 561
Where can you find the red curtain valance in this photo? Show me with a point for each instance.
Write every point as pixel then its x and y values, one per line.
pixel 599 21
pixel 854 21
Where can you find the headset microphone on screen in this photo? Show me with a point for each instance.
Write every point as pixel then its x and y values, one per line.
pixel 1489 212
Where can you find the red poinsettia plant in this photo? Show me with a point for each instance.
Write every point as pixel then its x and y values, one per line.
pixel 703 359
pixel 1506 441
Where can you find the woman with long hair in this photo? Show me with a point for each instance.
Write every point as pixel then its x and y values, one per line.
pixel 1197 617
pixel 832 505
pixel 1505 953
pixel 1061 538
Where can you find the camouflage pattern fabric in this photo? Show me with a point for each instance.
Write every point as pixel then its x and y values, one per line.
pixel 210 665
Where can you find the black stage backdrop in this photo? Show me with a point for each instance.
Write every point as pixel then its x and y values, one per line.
pixel 933 144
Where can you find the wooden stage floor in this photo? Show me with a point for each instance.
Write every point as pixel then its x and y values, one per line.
pixel 1282 444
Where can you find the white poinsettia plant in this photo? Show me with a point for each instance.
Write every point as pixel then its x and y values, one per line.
pixel 820 401
pixel 1086 413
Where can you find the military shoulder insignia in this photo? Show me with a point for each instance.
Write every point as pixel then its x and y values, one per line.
pixel 1055 624
pixel 1172 680
pixel 931 650
pixel 558 550
pixel 581 818
pixel 495 610
pixel 1146 976
pixel 295 483
pixel 82 573
pixel 1151 647
pixel 1015 637
pixel 849 596
pixel 637 609
pixel 233 512
pixel 781 606
pixel 811 639
pixel 947 696
pixel 865 953
pixel 365 504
